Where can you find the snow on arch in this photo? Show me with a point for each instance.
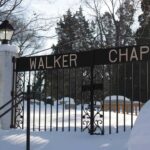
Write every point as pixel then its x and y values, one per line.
pixel 115 97
pixel 140 134
pixel 67 100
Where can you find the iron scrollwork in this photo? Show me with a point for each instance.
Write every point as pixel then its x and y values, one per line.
pixel 98 119
pixel 92 118
pixel 19 99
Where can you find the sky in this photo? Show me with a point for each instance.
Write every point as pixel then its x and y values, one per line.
pixel 51 8
pixel 56 8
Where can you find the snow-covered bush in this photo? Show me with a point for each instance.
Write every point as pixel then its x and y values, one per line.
pixel 66 100
pixel 120 98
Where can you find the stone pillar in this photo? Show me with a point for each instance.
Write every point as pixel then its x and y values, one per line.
pixel 7 52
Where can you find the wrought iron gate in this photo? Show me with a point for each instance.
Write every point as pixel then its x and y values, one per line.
pixel 74 91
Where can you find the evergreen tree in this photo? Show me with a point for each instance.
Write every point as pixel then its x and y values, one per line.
pixel 137 74
pixel 108 29
pixel 113 27
pixel 123 37
pixel 74 33
pixel 124 32
pixel 116 31
pixel 38 85
pixel 143 33
pixel 143 38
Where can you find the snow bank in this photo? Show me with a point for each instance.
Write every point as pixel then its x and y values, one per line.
pixel 67 100
pixel 140 135
pixel 115 97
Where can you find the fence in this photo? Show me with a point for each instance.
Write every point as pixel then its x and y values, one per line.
pixel 82 91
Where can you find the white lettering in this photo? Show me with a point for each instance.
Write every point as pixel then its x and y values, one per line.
pixel 73 59
pixel 143 50
pixel 41 63
pixel 110 56
pixel 32 64
pixel 64 61
pixel 133 54
pixel 123 55
pixel 56 61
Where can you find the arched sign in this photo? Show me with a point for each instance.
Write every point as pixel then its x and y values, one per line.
pixel 84 59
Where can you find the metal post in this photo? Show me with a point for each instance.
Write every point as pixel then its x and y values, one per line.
pixel 28 118
pixel 91 98
pixel 12 95
pixel 92 104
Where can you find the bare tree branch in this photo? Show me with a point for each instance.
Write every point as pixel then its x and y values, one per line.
pixel 29 33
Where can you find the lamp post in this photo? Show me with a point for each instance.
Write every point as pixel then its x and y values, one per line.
pixel 7 52
pixel 6 32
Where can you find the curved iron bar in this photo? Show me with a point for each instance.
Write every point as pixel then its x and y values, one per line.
pixel 86 119
pixel 97 121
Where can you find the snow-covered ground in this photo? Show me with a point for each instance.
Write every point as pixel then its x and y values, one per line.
pixel 140 135
pixel 16 139
pixel 59 115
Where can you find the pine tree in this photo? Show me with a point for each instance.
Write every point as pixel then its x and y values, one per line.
pixel 125 15
pixel 117 32
pixel 108 29
pixel 74 33
pixel 137 74
pixel 113 28
pixel 143 33
pixel 143 38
